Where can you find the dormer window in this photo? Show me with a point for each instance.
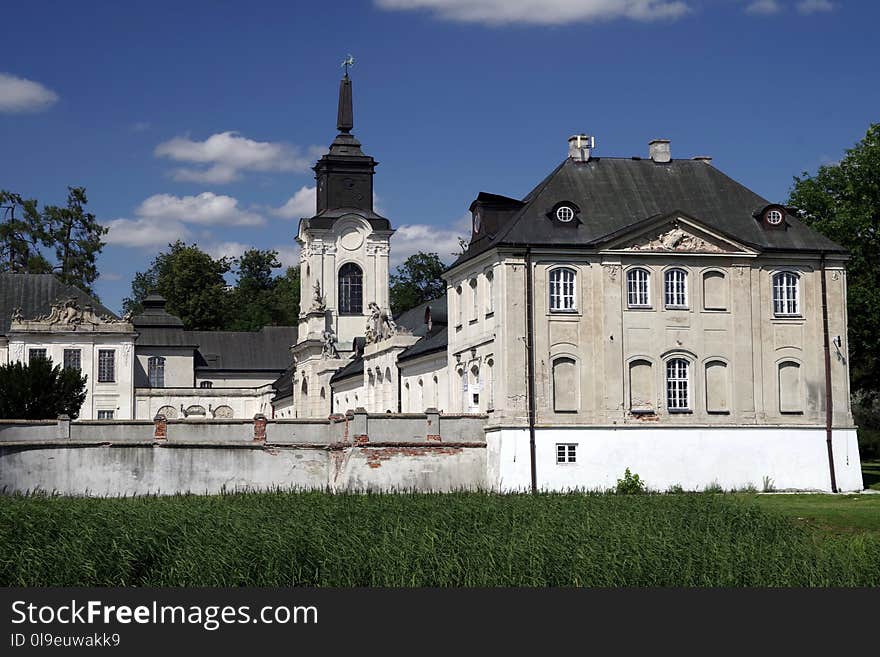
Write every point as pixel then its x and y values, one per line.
pixel 565 213
pixel 774 217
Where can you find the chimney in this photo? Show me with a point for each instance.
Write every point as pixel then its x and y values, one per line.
pixel 579 147
pixel 658 150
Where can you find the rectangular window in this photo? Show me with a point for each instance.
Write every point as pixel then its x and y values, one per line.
pixel 72 359
pixel 156 367
pixel 490 278
pixel 106 366
pixel 566 453
pixel 105 415
pixel 33 354
pixel 677 385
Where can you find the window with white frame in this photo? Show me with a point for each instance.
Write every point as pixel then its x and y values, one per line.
pixel 675 286
pixel 475 310
pixel 785 294
pixel 490 279
pixel 566 453
pixel 156 371
pixel 562 297
pixel 34 354
pixel 637 288
pixel 72 359
pixel 677 388
pixel 105 415
pixel 106 366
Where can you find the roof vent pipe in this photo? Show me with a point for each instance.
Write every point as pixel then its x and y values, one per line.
pixel 579 147
pixel 659 151
pixel 703 158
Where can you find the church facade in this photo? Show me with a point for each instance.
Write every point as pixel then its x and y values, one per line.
pixel 647 313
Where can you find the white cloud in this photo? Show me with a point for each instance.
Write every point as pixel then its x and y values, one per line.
pixel 764 7
pixel 287 256
pixel 21 95
pixel 412 238
pixel 814 6
pixel 163 218
pixel 206 208
pixel 543 12
pixel 223 156
pixel 301 204
pixel 144 233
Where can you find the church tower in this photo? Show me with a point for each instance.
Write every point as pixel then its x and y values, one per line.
pixel 343 261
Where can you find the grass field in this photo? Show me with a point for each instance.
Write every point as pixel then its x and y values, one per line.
pixel 871 474
pixel 461 539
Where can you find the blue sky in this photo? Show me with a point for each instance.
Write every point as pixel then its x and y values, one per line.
pixel 200 120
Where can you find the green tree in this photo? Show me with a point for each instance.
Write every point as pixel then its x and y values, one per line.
pixel 22 233
pixel 76 236
pixel 254 300
pixel 39 391
pixel 842 201
pixel 288 296
pixel 192 283
pixel 417 280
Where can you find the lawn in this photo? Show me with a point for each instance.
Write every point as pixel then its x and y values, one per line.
pixel 459 539
pixel 834 514
pixel 871 474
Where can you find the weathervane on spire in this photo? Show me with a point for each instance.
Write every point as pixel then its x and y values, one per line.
pixel 348 61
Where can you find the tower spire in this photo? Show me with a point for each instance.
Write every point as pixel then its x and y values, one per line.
pixel 345 116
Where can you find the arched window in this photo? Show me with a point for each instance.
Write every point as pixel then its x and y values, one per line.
pixel 565 385
pixel 156 369
pixel 490 384
pixel 791 396
pixel 206 384
pixel 641 387
pixel 785 294
pixel 562 298
pixel 717 387
pixel 714 291
pixel 677 388
pixel 637 288
pixel 675 286
pixel 351 289
pixel 459 305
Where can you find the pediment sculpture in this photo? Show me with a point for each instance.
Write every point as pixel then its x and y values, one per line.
pixel 68 313
pixel 676 239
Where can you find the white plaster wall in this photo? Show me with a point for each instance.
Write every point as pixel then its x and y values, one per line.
pixel 415 398
pixel 178 366
pixel 692 457
pixel 117 396
pixel 348 394
pixel 244 402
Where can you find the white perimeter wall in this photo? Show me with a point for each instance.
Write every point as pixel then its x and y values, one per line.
pixel 694 458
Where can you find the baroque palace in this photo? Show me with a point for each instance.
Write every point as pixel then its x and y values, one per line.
pixel 628 312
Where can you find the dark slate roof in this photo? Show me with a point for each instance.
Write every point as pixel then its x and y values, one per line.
pixel 283 385
pixel 35 294
pixel 614 193
pixel 436 340
pixel 266 349
pixel 154 313
pixel 354 368
pixel 414 318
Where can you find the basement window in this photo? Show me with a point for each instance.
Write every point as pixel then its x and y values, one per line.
pixel 566 453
